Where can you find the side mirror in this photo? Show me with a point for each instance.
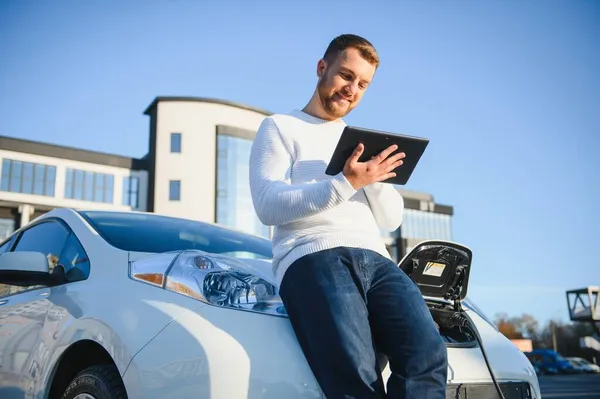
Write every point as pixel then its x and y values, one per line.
pixel 26 269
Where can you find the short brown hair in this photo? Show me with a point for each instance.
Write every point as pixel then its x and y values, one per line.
pixel 342 42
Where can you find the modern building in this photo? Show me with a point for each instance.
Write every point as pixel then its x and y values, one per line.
pixel 424 219
pixel 196 167
pixel 37 177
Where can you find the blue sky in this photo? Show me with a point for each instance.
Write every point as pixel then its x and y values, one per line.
pixel 507 92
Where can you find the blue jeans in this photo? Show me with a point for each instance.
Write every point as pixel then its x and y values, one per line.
pixel 346 306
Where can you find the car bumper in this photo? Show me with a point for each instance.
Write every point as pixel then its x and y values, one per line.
pixel 510 390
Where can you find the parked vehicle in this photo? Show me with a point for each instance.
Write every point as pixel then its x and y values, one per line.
pixel 137 305
pixel 584 365
pixel 550 362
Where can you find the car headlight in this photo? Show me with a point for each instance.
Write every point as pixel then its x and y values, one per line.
pixel 211 278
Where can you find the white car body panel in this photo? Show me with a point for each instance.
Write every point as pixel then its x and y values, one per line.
pixel 21 326
pixel 239 337
pixel 169 345
pixel 467 365
pixel 508 363
pixel 118 324
pixel 218 353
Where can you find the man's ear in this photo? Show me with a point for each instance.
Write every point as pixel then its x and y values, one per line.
pixel 321 67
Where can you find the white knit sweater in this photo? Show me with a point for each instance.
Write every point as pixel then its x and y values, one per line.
pixel 310 210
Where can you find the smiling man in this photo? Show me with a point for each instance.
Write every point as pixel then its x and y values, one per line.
pixel 346 298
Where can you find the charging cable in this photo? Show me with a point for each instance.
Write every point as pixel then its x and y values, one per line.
pixel 461 318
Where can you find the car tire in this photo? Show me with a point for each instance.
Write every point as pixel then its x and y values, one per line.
pixel 100 382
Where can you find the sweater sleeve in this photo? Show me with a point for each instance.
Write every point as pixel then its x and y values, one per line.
pixel 277 201
pixel 386 204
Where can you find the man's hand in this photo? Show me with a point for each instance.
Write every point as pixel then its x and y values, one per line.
pixel 377 169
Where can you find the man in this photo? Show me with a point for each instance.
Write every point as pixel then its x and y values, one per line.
pixel 346 299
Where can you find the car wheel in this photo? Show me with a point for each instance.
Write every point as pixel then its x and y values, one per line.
pixel 96 382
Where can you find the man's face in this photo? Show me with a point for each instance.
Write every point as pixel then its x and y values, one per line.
pixel 343 82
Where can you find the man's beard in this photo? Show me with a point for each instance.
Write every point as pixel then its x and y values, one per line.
pixel 327 101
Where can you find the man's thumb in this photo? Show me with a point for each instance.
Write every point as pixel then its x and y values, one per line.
pixel 357 153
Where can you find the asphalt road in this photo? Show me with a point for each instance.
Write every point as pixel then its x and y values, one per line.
pixel 578 386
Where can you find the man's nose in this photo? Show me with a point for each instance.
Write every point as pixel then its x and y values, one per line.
pixel 352 88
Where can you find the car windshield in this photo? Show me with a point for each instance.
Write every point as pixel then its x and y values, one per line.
pixel 148 232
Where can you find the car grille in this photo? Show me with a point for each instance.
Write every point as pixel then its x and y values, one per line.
pixel 511 390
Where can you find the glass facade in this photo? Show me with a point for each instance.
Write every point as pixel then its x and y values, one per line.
pixel 89 186
pixel 131 187
pixel 234 201
pixel 423 225
pixel 28 178
pixel 418 226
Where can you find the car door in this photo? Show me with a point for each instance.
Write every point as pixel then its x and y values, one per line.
pixel 23 312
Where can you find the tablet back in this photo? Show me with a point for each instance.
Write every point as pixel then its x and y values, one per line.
pixel 375 142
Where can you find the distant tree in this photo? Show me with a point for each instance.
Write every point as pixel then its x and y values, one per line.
pixel 527 325
pixel 565 336
pixel 544 339
pixel 508 327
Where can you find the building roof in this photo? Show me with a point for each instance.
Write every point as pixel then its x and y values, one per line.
pixel 422 201
pixel 417 195
pixel 204 100
pixel 75 154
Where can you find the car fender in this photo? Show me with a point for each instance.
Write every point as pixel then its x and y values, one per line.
pixel 85 330
pixel 122 325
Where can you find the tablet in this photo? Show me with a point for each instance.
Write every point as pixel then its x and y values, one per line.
pixel 375 142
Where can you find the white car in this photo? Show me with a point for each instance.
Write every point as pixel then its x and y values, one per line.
pixel 582 365
pixel 100 304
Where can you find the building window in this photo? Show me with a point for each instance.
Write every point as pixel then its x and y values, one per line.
pixel 89 186
pixel 28 178
pixel 175 142
pixel 175 190
pixel 131 187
